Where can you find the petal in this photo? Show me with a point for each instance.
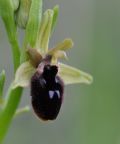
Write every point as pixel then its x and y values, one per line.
pixel 34 56
pixel 23 75
pixel 59 50
pixel 61 54
pixel 63 46
pixel 72 75
pixel 57 55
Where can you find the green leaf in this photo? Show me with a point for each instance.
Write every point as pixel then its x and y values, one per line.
pixel 72 75
pixel 2 81
pixel 23 75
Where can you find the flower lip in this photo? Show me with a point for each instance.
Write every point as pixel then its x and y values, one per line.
pixel 50 70
pixel 47 90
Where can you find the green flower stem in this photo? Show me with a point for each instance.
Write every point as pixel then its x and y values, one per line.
pixel 16 54
pixel 14 95
pixel 7 14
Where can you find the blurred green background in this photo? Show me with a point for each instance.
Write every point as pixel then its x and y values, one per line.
pixel 89 114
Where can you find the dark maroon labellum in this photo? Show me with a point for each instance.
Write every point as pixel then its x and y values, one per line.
pixel 47 92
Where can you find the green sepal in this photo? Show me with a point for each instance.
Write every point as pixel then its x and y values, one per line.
pixel 23 75
pixel 72 75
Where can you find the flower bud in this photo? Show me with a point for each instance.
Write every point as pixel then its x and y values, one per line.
pixel 15 4
pixel 22 13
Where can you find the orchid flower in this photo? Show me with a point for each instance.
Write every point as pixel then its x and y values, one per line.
pixel 68 74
